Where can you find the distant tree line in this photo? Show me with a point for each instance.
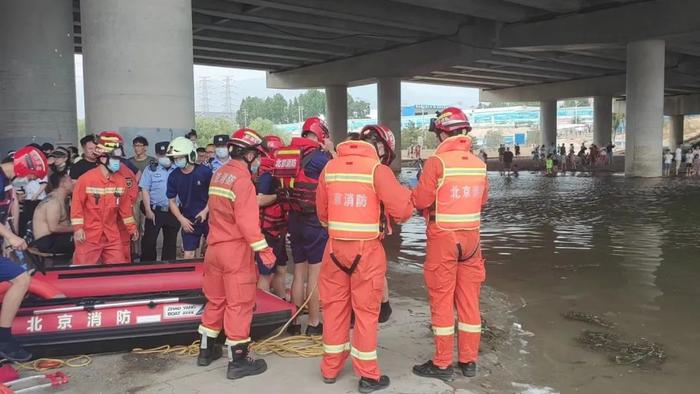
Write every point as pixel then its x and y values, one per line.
pixel 279 110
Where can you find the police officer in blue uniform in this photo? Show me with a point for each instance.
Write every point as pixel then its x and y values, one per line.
pixel 221 155
pixel 153 184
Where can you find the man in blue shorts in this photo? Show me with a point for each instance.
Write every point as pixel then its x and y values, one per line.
pixel 188 183
pixel 306 235
pixel 28 164
pixel 273 219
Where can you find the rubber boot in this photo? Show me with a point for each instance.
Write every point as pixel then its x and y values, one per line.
pixel 241 365
pixel 368 385
pixel 316 330
pixel 209 351
pixel 468 369
pixel 385 312
pixel 430 370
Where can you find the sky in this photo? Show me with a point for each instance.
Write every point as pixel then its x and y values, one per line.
pixel 252 83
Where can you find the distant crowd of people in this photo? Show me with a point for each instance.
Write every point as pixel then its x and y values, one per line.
pixel 682 161
pixel 557 159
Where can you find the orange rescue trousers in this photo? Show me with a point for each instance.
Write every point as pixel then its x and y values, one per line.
pixel 230 281
pixel 452 282
pixel 102 252
pixel 361 292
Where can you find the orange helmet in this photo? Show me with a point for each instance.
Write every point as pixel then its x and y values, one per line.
pixel 377 133
pixel 451 121
pixel 108 141
pixel 30 161
pixel 317 127
pixel 244 139
pixel 270 144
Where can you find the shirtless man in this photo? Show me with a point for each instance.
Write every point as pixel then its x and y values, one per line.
pixel 52 229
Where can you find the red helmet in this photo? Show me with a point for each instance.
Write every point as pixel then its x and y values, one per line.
pixel 377 133
pixel 451 121
pixel 108 141
pixel 30 161
pixel 270 144
pixel 317 127
pixel 244 139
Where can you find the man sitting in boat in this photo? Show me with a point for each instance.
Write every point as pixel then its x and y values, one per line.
pixel 51 223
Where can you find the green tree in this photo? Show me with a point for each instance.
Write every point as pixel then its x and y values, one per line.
pixel 267 127
pixel 357 108
pixel 312 103
pixel 207 127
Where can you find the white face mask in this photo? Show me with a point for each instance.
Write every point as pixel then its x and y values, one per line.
pixel 181 162
pixel 221 152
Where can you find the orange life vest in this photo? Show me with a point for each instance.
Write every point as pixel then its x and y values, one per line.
pixel 461 187
pixel 353 205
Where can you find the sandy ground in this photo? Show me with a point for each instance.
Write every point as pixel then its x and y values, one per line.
pixel 404 341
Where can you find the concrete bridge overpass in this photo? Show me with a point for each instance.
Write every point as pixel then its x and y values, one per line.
pixel 138 58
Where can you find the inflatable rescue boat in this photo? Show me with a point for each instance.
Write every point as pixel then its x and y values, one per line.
pixel 114 307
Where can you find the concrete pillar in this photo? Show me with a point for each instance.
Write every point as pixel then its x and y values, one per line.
pixel 337 112
pixel 602 120
pixel 389 111
pixel 137 64
pixel 645 105
pixel 37 73
pixel 548 122
pixel 676 131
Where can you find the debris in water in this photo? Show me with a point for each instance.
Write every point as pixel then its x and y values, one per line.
pixel 589 318
pixel 490 334
pixel 639 353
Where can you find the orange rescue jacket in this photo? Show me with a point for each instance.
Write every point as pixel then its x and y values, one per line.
pixel 453 185
pixel 99 203
pixel 233 207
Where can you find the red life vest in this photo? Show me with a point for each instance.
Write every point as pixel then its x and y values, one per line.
pixel 273 218
pixel 290 162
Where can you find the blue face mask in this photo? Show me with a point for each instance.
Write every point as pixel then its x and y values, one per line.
pixel 165 162
pixel 221 152
pixel 19 183
pixel 113 165
pixel 181 162
pixel 254 167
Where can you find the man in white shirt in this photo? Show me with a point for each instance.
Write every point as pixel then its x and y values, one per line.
pixel 679 158
pixel 668 158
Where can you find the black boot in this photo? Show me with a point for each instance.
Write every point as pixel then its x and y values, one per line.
pixel 240 365
pixel 384 312
pixel 11 350
pixel 368 385
pixel 468 369
pixel 209 351
pixel 430 370
pixel 314 330
pixel 294 329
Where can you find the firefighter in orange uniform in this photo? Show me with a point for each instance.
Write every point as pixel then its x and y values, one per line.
pixel 99 202
pixel 452 189
pixel 350 192
pixel 229 268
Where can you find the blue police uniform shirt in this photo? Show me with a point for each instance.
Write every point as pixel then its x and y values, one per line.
pixel 192 189
pixel 266 184
pixel 217 163
pixel 156 183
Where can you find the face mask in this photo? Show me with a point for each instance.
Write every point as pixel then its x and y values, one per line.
pixel 113 165
pixel 221 152
pixel 60 166
pixel 181 163
pixel 254 167
pixel 19 183
pixel 165 162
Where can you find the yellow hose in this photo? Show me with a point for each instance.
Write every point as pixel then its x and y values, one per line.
pixel 294 346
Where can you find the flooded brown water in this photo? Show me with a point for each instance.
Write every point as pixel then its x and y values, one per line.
pixel 625 249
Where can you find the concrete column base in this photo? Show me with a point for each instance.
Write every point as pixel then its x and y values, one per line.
pixel 337 112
